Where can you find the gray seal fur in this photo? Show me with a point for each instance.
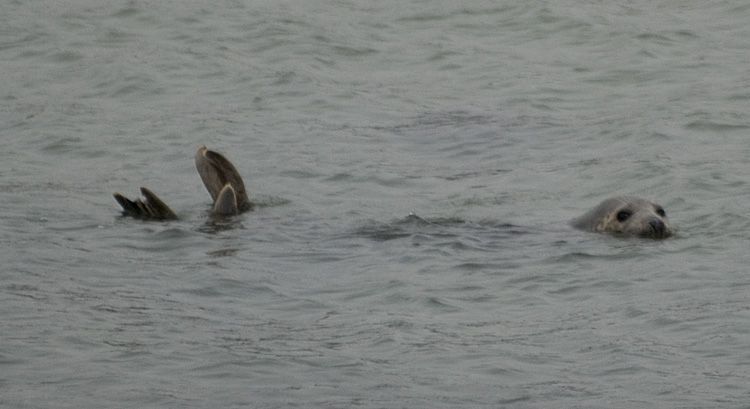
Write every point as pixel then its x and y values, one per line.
pixel 626 216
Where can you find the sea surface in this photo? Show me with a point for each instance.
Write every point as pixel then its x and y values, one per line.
pixel 415 166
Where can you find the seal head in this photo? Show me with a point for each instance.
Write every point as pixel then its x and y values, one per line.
pixel 627 216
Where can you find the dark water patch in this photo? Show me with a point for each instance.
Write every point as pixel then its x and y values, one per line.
pixel 299 308
pixel 217 224
pixel 441 304
pixel 227 252
pixel 424 18
pixel 230 288
pixel 430 122
pixel 66 56
pixel 529 281
pixel 301 174
pixel 474 174
pixel 668 38
pixel 14 39
pixel 494 268
pixel 458 13
pixel 653 37
pixel 340 177
pixel 688 34
pixel 708 125
pixel 136 87
pixel 500 199
pixel 125 12
pixel 383 231
pixel 63 144
pixel 375 290
pixel 411 225
pixel 114 37
pixel 33 53
pixel 26 291
pixel 443 55
pixel 345 51
pixel 623 76
pixel 151 236
pixel 395 181
pixel 739 96
pixel 38 186
pixel 471 266
pixel 579 256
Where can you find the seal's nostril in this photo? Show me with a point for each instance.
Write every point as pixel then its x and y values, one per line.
pixel 657 225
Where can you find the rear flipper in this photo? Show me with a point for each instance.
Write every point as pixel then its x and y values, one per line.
pixel 218 174
pixel 150 207
pixel 226 202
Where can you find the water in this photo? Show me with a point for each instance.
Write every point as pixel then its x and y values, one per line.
pixel 415 165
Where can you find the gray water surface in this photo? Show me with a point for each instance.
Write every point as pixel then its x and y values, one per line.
pixel 415 164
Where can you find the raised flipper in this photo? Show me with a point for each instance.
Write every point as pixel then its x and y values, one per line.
pixel 223 182
pixel 150 207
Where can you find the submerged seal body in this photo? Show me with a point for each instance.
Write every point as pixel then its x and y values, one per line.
pixel 221 179
pixel 626 216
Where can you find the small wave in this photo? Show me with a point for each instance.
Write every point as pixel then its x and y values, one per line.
pixel 452 233
pixel 404 227
pixel 707 125
pixel 270 201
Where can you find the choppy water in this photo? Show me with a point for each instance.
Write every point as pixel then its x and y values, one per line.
pixel 415 163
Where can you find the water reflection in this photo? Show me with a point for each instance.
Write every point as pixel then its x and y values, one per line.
pixel 228 252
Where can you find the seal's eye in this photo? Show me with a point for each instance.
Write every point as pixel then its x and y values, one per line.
pixel 623 215
pixel 660 211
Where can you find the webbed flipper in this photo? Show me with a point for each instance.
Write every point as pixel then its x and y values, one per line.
pixel 148 207
pixel 226 202
pixel 217 172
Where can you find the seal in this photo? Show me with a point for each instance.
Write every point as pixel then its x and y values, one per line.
pixel 221 178
pixel 626 216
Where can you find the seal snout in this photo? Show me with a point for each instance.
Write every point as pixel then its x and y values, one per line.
pixel 658 228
